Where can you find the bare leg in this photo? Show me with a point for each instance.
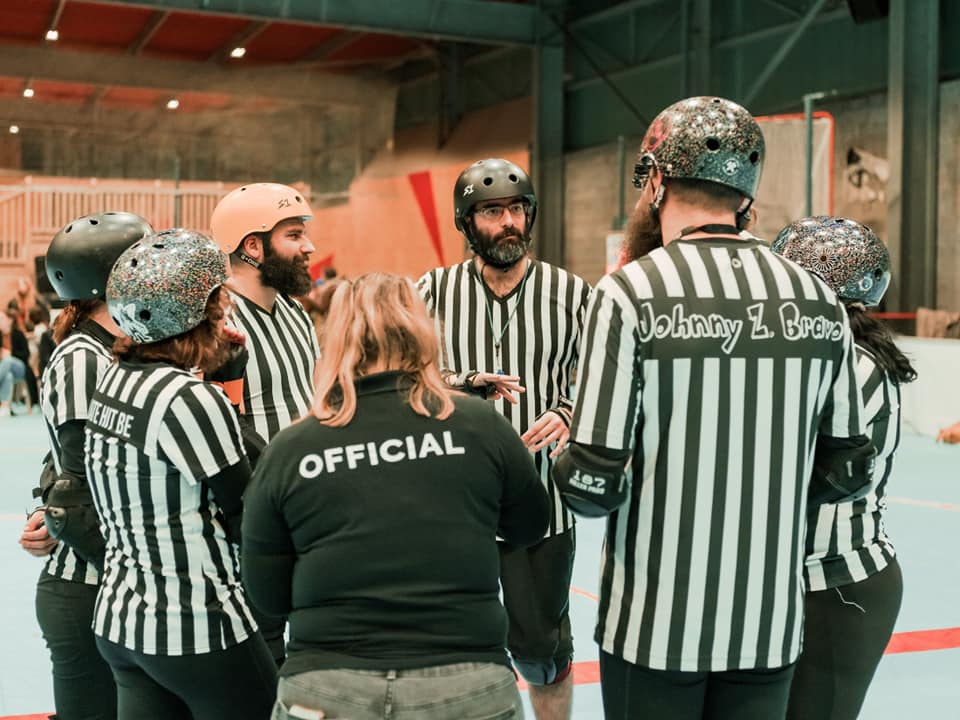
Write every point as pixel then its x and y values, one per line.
pixel 552 702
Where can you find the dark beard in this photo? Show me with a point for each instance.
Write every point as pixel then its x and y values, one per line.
pixel 498 253
pixel 289 277
pixel 643 234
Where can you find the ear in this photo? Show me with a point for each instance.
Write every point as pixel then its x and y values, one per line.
pixel 252 246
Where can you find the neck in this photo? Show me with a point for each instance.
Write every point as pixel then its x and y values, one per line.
pixel 245 281
pixel 675 217
pixel 101 316
pixel 501 281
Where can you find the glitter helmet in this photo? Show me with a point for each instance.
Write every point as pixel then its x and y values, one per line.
pixel 255 208
pixel 160 285
pixel 704 138
pixel 81 254
pixel 491 179
pixel 848 256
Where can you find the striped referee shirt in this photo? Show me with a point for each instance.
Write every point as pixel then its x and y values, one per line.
pixel 71 376
pixel 717 363
pixel 170 584
pixel 847 542
pixel 538 324
pixel 283 347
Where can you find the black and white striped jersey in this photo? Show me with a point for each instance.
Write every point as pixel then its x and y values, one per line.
pixel 170 584
pixel 69 380
pixel 717 364
pixel 283 348
pixel 847 542
pixel 533 332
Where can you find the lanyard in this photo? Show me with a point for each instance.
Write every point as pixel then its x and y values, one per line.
pixel 498 337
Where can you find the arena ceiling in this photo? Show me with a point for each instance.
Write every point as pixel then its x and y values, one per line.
pixel 139 55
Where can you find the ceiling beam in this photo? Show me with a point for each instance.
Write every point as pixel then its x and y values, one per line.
pixel 477 21
pixel 146 34
pixel 330 46
pixel 55 16
pixel 300 85
pixel 239 39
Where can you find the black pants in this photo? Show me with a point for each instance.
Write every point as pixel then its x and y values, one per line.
pixel 631 691
pixel 536 595
pixel 844 635
pixel 83 687
pixel 239 683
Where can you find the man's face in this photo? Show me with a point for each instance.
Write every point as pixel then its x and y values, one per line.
pixel 643 232
pixel 285 257
pixel 500 230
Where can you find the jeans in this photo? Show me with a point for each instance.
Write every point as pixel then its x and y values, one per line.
pixel 463 691
pixel 11 369
pixel 83 687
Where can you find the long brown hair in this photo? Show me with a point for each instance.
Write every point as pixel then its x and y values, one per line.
pixel 202 347
pixel 378 319
pixel 71 316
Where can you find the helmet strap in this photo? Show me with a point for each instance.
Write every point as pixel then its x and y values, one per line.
pixel 743 213
pixel 658 200
pixel 247 259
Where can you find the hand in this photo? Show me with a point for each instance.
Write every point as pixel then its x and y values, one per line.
pixel 35 539
pixel 548 429
pixel 499 386
pixel 950 435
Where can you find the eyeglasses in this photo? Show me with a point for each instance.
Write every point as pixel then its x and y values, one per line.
pixel 495 212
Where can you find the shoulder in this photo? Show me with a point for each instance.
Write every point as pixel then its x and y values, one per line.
pixel 293 441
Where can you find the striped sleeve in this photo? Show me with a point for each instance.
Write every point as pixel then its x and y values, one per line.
pixel 843 414
pixel 606 413
pixel 200 434
pixel 69 381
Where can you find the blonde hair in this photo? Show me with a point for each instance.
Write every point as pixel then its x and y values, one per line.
pixel 378 319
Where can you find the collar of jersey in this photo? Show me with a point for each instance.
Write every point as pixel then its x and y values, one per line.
pixel 97 331
pixel 718 239
pixel 389 381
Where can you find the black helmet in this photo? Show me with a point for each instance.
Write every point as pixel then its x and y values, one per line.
pixel 491 179
pixel 704 138
pixel 81 255
pixel 846 254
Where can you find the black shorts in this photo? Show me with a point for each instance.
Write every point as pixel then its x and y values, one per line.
pixel 536 594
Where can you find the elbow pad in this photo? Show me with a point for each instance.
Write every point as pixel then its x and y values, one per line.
pixel 590 483
pixel 70 518
pixel 842 469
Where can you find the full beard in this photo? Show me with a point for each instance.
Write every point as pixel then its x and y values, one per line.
pixel 290 277
pixel 503 250
pixel 643 234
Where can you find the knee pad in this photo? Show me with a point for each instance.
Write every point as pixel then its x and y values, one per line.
pixel 544 672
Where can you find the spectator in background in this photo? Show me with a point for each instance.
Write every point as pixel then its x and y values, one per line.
pixel 950 435
pixel 11 367
pixel 41 342
pixel 20 348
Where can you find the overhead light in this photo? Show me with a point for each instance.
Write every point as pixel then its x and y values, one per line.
pixel 52 35
pixel 28 92
pixel 238 52
pixel 173 104
pixel 14 129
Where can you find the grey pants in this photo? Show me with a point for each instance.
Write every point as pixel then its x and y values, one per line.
pixel 464 691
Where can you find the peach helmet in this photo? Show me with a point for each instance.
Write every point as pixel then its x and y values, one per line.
pixel 255 208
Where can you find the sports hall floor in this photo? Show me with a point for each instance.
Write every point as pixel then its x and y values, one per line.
pixel 918 679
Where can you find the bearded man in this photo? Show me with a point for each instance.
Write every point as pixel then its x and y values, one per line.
pixel 509 329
